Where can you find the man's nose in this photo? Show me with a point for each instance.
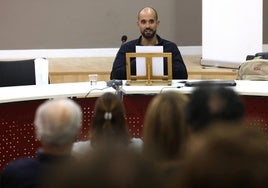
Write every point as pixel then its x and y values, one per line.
pixel 147 25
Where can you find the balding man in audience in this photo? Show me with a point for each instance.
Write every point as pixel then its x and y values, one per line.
pixel 57 124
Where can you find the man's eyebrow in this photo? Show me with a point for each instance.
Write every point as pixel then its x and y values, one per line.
pixel 148 20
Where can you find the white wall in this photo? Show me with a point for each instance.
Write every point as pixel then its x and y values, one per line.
pixel 231 30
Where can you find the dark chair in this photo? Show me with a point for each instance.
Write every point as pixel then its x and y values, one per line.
pixel 18 73
pixel 261 55
pixel 15 73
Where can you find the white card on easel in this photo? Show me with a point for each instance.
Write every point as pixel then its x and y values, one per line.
pixel 157 62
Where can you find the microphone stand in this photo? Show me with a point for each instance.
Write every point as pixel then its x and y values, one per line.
pixel 116 84
pixel 118 91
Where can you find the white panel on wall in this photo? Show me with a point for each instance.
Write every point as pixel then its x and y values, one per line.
pixel 231 30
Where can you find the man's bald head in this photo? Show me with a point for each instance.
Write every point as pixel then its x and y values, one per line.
pixel 148 10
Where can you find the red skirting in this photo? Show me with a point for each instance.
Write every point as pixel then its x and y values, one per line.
pixel 17 137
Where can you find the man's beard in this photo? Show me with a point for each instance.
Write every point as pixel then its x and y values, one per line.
pixel 148 35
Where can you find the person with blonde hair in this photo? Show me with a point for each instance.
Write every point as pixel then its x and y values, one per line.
pixel 165 133
pixel 164 130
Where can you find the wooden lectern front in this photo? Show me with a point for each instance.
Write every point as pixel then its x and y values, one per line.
pixel 149 78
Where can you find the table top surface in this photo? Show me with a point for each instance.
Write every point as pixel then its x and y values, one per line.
pixel 34 92
pixel 84 89
pixel 243 87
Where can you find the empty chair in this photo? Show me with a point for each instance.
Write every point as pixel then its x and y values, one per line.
pixel 23 72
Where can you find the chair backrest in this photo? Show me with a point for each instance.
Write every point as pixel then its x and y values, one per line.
pixel 41 71
pixel 20 72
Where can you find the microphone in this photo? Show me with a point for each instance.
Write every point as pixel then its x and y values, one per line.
pixel 116 85
pixel 124 39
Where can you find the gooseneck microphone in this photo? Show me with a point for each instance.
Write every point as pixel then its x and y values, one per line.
pixel 116 84
pixel 124 39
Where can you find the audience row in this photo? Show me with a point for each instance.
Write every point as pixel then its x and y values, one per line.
pixel 197 140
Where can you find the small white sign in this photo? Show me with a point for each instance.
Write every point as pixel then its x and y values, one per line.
pixel 157 62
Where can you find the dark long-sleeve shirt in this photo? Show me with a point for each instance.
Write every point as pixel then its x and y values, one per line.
pixel 179 70
pixel 28 172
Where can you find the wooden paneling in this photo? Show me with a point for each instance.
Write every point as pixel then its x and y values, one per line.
pixel 196 71
pixel 62 70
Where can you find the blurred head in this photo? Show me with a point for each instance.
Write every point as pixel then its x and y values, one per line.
pixel 226 156
pixel 109 121
pixel 213 103
pixel 148 22
pixel 57 122
pixel 164 129
pixel 107 168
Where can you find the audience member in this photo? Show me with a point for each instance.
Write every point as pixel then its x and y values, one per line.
pixel 213 103
pixel 165 133
pixel 225 156
pixel 57 124
pixel 113 168
pixel 164 130
pixel 108 127
pixel 148 23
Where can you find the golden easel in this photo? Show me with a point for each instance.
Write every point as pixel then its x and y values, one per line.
pixel 149 78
